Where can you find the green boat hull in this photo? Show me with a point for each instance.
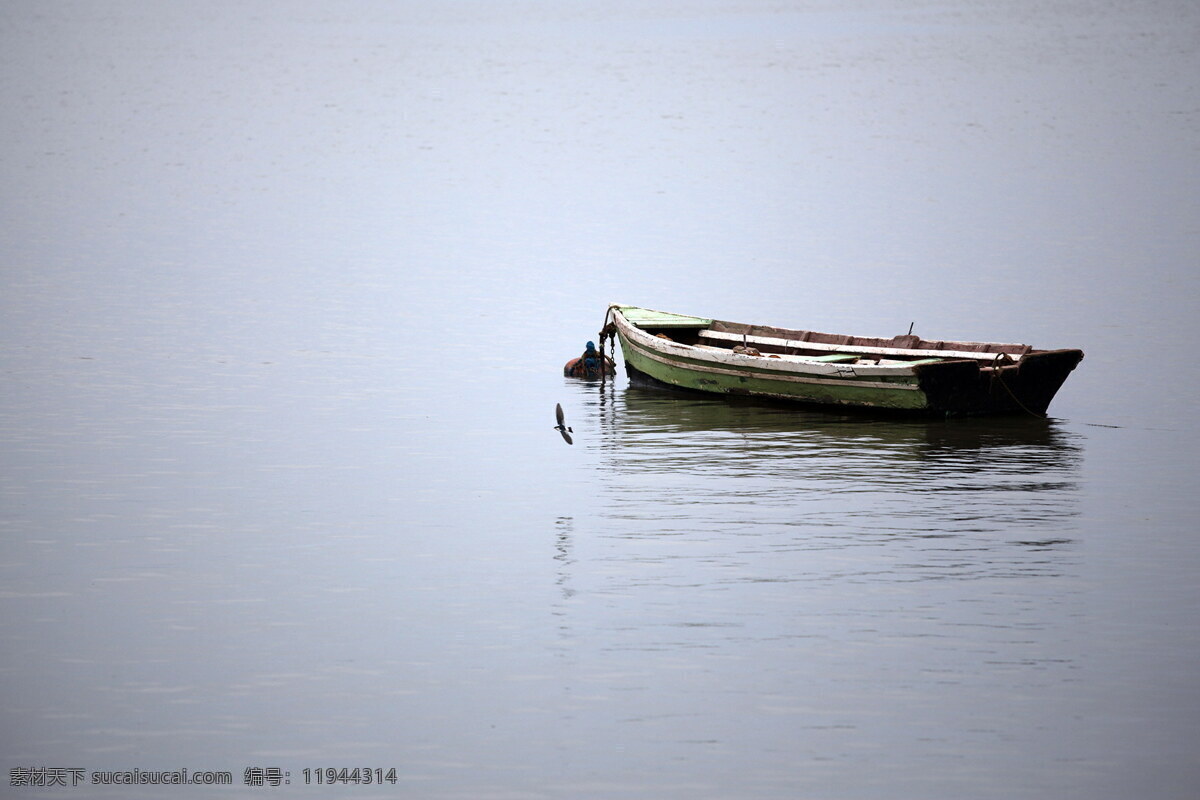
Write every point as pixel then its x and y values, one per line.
pixel 690 374
pixel 663 348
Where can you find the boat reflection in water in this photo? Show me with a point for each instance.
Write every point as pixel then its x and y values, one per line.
pixel 757 580
pixel 1002 491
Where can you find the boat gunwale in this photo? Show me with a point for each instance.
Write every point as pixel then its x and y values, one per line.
pixel 765 366
pixel 998 353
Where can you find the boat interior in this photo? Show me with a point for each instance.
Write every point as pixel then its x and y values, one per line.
pixel 833 348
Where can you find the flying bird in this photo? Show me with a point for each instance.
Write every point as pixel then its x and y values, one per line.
pixel 561 426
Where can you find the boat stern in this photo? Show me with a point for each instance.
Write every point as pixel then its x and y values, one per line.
pixel 967 388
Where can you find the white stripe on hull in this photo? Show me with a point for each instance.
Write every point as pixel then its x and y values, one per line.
pixel 771 374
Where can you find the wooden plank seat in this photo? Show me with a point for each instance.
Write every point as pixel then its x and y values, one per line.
pixel 836 358
pixel 710 335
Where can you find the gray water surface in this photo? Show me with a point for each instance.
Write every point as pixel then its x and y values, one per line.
pixel 286 293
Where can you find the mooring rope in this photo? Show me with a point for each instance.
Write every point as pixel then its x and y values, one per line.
pixel 608 330
pixel 998 375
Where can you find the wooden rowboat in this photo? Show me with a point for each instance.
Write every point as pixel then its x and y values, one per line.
pixel 905 374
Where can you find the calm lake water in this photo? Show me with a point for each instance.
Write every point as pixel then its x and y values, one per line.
pixel 287 289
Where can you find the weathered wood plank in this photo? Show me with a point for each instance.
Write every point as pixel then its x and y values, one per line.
pixel 798 344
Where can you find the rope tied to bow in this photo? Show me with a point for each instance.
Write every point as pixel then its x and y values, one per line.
pixel 1001 360
pixel 608 333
